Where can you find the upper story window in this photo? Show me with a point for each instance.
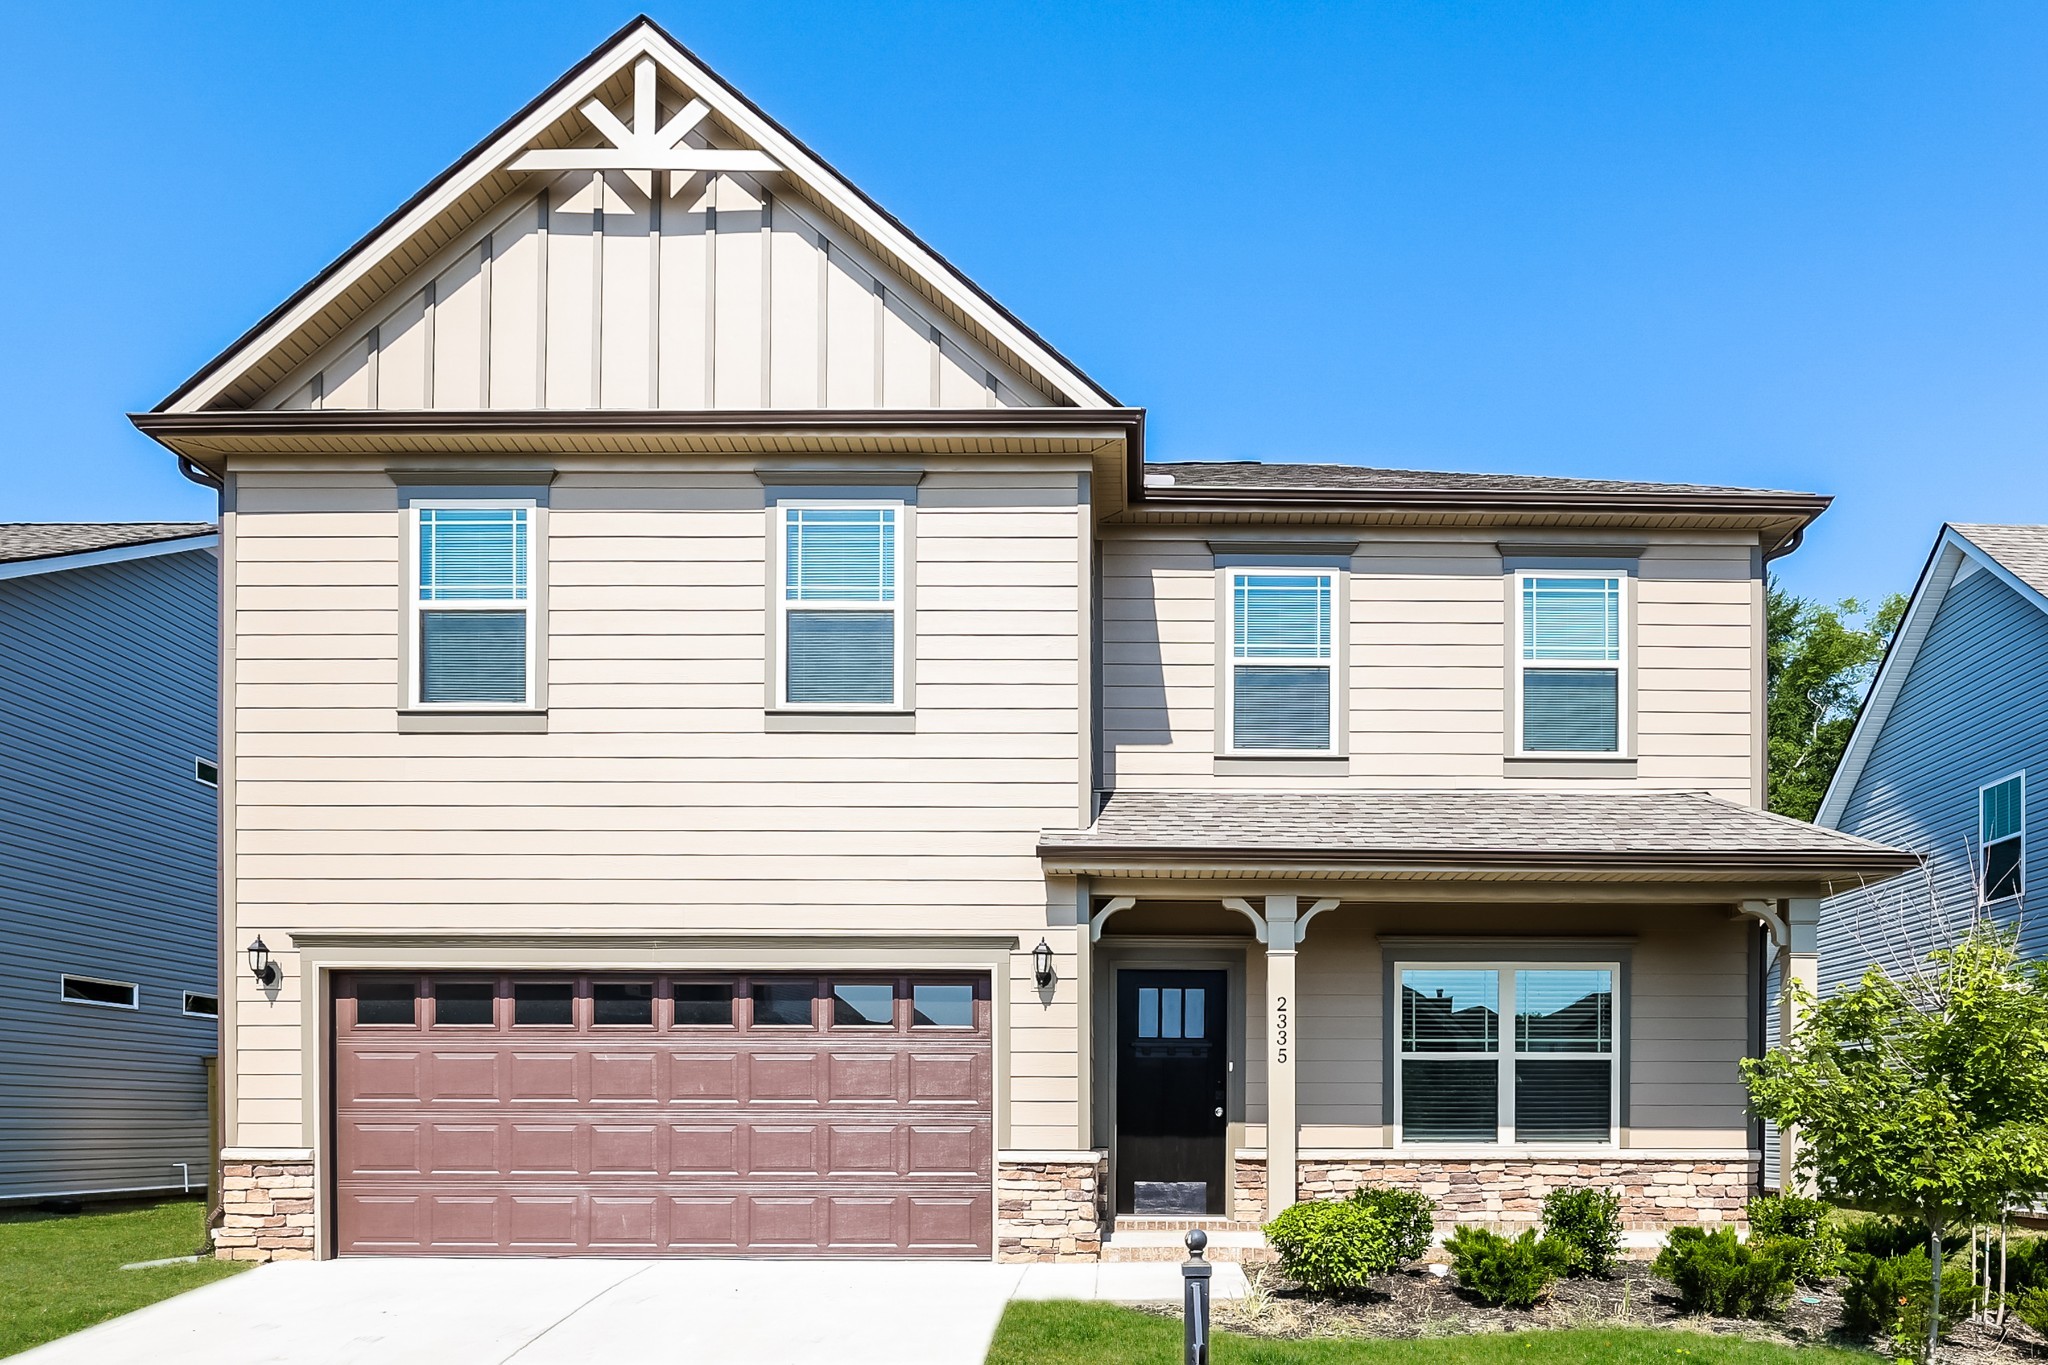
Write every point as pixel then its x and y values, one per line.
pixel 839 601
pixel 1570 667
pixel 2002 837
pixel 1281 671
pixel 473 604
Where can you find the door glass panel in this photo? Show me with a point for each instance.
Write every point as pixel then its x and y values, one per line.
pixel 385 1001
pixel 863 1005
pixel 1450 1011
pixel 464 1002
pixel 702 1004
pixel 1169 1012
pixel 1192 1022
pixel 1148 1012
pixel 544 1003
pixel 783 1004
pixel 942 1005
pixel 622 1002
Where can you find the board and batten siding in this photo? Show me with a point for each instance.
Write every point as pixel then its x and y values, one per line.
pixel 108 680
pixel 1426 665
pixel 590 294
pixel 1969 712
pixel 658 798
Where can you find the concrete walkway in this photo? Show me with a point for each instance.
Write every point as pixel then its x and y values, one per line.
pixel 554 1312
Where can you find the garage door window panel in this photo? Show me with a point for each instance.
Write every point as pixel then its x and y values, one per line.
pixel 387 1002
pixel 785 1004
pixel 622 1004
pixel 942 1005
pixel 703 1004
pixel 465 1004
pixel 863 1005
pixel 544 1004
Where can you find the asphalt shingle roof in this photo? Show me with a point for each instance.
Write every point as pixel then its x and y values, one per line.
pixel 1255 476
pixel 1460 826
pixel 2022 549
pixel 20 540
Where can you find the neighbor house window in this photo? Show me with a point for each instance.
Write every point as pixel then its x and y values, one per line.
pixel 473 614
pixel 1569 666
pixel 839 602
pixel 1281 674
pixel 93 990
pixel 1547 1076
pixel 202 1006
pixel 205 773
pixel 2002 837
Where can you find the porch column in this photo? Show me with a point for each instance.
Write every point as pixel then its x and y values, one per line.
pixel 1801 963
pixel 1282 1047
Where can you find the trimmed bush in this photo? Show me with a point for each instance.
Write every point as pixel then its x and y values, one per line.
pixel 1409 1217
pixel 1718 1273
pixel 1890 1295
pixel 2026 1264
pixel 1871 1235
pixel 1787 1217
pixel 2031 1307
pixel 1587 1223
pixel 1515 1272
pixel 1331 1248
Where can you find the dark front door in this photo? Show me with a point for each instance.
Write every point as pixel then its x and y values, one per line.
pixel 1171 1078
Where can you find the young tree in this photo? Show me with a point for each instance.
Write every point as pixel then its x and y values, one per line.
pixel 1925 1098
pixel 1821 659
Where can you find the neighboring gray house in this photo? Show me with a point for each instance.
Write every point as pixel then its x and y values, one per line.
pixel 109 655
pixel 1948 757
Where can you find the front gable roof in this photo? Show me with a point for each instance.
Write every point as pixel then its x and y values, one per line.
pixel 917 307
pixel 2016 555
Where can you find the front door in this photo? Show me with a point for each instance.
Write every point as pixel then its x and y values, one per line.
pixel 1172 1075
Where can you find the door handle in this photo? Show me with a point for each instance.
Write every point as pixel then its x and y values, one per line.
pixel 1219 1111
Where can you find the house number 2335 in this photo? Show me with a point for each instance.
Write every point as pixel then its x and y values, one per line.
pixel 1282 1037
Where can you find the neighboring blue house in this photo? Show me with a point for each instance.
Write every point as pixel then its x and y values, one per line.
pixel 1949 759
pixel 109 810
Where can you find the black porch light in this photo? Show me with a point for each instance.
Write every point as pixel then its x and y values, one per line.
pixel 260 965
pixel 1041 964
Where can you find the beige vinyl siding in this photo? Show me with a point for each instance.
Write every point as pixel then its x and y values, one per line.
pixel 1427 663
pixel 657 799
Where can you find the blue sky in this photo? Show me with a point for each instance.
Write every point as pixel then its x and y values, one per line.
pixel 1794 245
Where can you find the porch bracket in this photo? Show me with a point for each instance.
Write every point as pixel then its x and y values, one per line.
pixel 1767 913
pixel 1095 921
pixel 1243 907
pixel 1301 925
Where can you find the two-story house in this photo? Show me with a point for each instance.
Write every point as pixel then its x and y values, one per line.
pixel 1947 746
pixel 733 750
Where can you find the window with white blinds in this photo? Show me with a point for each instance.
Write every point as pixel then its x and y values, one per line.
pixel 2002 838
pixel 839 601
pixel 1569 662
pixel 473 617
pixel 1549 1077
pixel 1281 674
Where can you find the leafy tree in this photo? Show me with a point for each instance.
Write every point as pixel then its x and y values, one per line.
pixel 1821 660
pixel 1925 1098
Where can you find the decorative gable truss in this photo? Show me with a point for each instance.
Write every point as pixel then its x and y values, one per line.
pixel 666 269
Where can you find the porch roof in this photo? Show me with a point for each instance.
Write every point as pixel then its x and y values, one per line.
pixel 1646 835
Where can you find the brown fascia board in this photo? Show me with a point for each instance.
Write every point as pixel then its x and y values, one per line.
pixel 1885 861
pixel 567 78
pixel 169 428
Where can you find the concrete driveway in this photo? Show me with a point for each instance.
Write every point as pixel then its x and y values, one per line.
pixel 553 1312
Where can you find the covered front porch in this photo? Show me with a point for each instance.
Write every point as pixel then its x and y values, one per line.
pixel 1531 990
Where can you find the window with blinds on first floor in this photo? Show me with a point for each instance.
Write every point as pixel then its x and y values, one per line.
pixel 1548 1076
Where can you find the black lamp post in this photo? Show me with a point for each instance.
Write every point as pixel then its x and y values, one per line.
pixel 260 965
pixel 1041 964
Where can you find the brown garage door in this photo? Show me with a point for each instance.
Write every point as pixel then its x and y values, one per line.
pixel 660 1115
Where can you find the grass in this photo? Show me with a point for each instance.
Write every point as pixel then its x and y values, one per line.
pixel 60 1273
pixel 1095 1333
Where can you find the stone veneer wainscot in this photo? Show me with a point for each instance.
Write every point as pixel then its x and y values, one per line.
pixel 1049 1210
pixel 266 1211
pixel 1656 1192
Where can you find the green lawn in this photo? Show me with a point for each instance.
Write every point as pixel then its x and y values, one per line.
pixel 1098 1334
pixel 62 1272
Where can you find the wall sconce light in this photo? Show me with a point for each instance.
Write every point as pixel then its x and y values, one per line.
pixel 260 965
pixel 1041 964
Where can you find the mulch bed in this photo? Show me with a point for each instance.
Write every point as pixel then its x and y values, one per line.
pixel 1415 1303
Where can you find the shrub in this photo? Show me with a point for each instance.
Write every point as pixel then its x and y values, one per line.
pixel 2026 1264
pixel 2032 1307
pixel 1718 1273
pixel 1588 1224
pixel 1790 1218
pixel 1870 1235
pixel 1409 1217
pixel 1515 1272
pixel 1330 1248
pixel 1891 1295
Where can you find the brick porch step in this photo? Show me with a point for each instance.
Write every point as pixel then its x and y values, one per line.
pixel 1164 1239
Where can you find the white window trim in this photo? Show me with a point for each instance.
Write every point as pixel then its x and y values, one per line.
pixel 1231 575
pixel 190 996
pixel 417 654
pixel 1624 730
pixel 1504 1058
pixel 1983 848
pixel 783 605
pixel 134 992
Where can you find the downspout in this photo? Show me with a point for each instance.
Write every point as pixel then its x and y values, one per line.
pixel 199 473
pixel 1798 539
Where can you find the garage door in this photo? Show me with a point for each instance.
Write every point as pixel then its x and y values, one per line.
pixel 656 1115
